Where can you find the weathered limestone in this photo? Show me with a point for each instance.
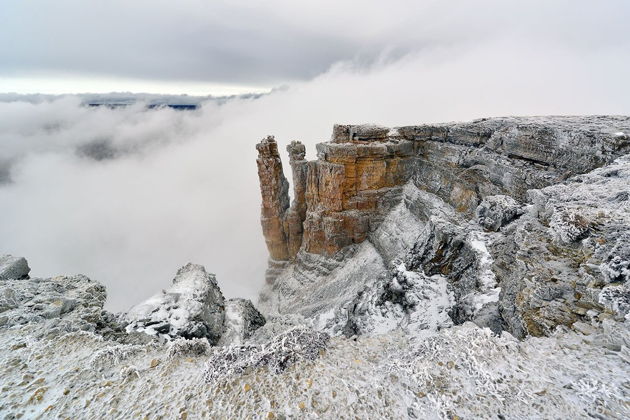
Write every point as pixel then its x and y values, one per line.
pixel 339 198
pixel 274 188
pixel 352 185
pixel 342 197
pixel 297 212
pixel 464 202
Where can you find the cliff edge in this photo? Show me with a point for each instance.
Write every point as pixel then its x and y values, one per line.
pixel 486 213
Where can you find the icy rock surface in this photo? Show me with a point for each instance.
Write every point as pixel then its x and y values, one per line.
pixel 278 354
pixel 463 371
pixel 241 320
pixel 556 262
pixel 71 302
pixel 13 267
pixel 408 300
pixel 192 307
pixel 496 211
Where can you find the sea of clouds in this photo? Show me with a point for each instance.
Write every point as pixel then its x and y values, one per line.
pixel 128 195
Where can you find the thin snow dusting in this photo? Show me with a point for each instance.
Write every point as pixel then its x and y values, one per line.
pixel 487 283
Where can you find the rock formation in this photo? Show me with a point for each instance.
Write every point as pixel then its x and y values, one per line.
pixel 473 270
pixel 460 203
pixel 13 267
pixel 192 307
pixel 241 320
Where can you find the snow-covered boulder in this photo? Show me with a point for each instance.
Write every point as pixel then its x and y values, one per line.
pixel 616 267
pixel 496 211
pixel 241 320
pixel 13 267
pixel 72 298
pixel 569 226
pixel 192 307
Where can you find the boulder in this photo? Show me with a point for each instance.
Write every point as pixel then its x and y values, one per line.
pixel 193 307
pixel 13 267
pixel 496 211
pixel 241 320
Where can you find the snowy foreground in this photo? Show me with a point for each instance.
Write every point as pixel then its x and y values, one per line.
pixel 63 357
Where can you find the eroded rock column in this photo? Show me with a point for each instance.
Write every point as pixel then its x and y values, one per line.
pixel 297 212
pixel 274 189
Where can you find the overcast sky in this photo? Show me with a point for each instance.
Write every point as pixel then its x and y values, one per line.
pixel 203 47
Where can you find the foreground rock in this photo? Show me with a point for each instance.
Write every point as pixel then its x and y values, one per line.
pixel 70 302
pixel 192 307
pixel 241 320
pixel 13 267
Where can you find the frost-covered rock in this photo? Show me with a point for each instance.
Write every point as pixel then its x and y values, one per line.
pixel 616 298
pixel 192 307
pixel 193 347
pixel 569 226
pixel 296 345
pixel 496 211
pixel 241 320
pixel 13 267
pixel 616 268
pixel 69 298
pixel 408 300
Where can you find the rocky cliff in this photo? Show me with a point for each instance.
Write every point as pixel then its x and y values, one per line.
pixel 473 270
pixel 454 201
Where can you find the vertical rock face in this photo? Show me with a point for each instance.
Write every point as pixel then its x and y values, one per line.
pixel 482 168
pixel 275 198
pixel 339 198
pixel 297 212
pixel 356 180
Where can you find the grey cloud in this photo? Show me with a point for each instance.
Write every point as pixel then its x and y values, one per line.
pixel 279 40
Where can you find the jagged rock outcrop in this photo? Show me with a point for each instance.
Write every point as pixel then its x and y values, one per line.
pixel 496 211
pixel 275 198
pixel 193 307
pixel 339 198
pixel 13 267
pixel 458 201
pixel 359 174
pixel 69 302
pixel 241 320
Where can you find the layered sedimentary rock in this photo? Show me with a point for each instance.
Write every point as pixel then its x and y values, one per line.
pixel 343 195
pixel 275 198
pixel 339 198
pixel 461 203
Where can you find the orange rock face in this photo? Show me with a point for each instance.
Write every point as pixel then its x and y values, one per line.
pixel 274 188
pixel 339 198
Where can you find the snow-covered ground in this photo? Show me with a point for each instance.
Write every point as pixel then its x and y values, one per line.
pixel 460 372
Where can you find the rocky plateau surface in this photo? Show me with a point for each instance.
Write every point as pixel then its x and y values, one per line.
pixel 451 271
